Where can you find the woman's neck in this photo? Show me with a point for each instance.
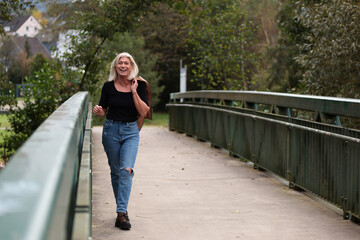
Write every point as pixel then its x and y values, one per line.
pixel 123 81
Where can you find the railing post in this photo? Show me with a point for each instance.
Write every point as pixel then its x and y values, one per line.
pixel 288 154
pixel 328 118
pixel 345 172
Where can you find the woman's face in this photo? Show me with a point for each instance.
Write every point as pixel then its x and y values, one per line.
pixel 123 67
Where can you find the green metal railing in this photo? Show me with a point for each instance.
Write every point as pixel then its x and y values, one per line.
pixel 317 155
pixel 45 190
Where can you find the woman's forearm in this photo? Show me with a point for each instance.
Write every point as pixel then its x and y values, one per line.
pixel 99 111
pixel 140 105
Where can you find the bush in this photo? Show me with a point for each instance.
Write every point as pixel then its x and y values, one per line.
pixel 44 92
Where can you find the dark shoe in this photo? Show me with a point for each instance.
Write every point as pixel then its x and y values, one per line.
pixel 122 221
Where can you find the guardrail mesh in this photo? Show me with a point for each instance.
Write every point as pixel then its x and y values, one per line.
pixel 317 156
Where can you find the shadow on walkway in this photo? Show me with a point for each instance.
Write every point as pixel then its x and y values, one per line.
pixel 184 189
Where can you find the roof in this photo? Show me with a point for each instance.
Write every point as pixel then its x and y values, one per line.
pixel 17 22
pixel 36 46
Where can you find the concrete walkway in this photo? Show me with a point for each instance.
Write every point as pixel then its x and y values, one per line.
pixel 184 189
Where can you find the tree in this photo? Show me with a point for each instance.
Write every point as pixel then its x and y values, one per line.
pixel 27 49
pixel 37 64
pixel 7 52
pixel 164 31
pixel 331 53
pixel 263 13
pixel 7 93
pixel 97 21
pixel 39 17
pixel 19 69
pixel 284 72
pixel 8 7
pixel 221 37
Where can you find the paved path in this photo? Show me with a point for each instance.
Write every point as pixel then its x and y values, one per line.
pixel 184 189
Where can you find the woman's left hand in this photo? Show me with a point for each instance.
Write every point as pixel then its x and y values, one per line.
pixel 134 85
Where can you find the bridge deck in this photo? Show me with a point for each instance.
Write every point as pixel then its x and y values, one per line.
pixel 184 189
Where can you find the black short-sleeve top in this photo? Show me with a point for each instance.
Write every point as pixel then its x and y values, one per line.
pixel 120 105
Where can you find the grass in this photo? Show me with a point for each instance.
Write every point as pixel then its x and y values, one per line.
pixel 4 121
pixel 159 120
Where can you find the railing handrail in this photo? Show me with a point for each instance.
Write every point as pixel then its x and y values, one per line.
pixel 346 107
pixel 38 185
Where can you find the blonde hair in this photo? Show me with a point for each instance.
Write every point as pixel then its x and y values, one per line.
pixel 134 71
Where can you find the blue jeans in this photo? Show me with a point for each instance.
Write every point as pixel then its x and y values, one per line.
pixel 121 142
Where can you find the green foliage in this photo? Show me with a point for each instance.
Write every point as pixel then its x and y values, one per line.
pixel 19 69
pixel 15 63
pixel 221 36
pixel 37 64
pixel 27 49
pixel 4 153
pixel 285 72
pixel 317 51
pixel 44 92
pixel 4 121
pixel 164 31
pixel 7 93
pixel 330 55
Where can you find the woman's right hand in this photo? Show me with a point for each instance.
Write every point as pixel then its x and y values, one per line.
pixel 99 111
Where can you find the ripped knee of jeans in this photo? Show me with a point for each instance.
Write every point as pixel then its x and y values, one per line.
pixel 130 170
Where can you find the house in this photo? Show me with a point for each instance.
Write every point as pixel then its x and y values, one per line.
pixel 23 26
pixel 24 31
pixel 34 44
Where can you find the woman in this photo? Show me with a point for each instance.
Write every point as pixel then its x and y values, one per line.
pixel 123 101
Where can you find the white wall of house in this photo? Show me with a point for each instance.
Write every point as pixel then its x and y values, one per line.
pixel 30 28
pixel 64 44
